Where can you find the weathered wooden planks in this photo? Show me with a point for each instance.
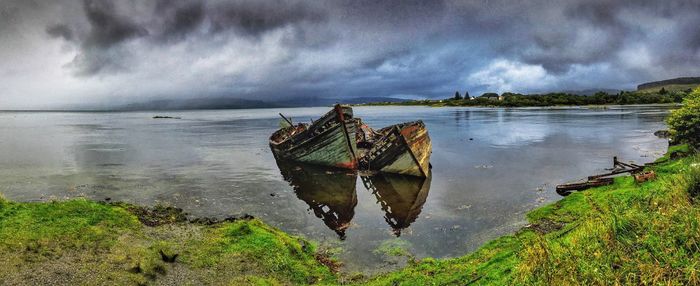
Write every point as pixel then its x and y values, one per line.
pixel 328 141
pixel 403 149
pixel 565 189
pixel 333 141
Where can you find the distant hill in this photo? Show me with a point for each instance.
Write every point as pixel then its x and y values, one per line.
pixel 200 103
pixel 319 101
pixel 367 99
pixel 223 102
pixel 681 83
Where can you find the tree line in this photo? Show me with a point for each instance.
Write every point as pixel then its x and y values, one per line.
pixel 509 99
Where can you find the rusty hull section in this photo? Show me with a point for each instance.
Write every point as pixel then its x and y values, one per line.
pixel 404 149
pixel 417 139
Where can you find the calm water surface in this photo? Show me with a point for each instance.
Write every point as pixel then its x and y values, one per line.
pixel 490 166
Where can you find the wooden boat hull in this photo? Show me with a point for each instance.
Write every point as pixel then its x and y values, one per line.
pixel 331 148
pixel 403 149
pixel 329 141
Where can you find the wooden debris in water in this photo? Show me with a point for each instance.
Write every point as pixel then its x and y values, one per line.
pixel 601 179
pixel 565 189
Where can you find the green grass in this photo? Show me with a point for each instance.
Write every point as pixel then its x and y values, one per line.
pixel 683 149
pixel 87 243
pixel 626 233
pixel 75 224
pixel 268 253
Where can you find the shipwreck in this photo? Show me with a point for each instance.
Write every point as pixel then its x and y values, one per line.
pixel 328 141
pixel 340 140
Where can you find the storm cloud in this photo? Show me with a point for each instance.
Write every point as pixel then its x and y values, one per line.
pixel 57 53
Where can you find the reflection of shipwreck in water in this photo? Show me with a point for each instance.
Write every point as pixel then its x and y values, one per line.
pixel 331 194
pixel 339 140
pixel 401 197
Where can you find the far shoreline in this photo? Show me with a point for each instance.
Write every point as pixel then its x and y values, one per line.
pixel 592 106
pixel 397 104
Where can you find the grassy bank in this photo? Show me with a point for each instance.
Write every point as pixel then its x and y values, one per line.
pixel 79 242
pixel 626 233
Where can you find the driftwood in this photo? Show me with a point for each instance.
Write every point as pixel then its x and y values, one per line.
pixel 619 168
pixel 605 179
pixel 566 188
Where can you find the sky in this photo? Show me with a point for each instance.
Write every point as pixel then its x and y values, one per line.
pixel 60 53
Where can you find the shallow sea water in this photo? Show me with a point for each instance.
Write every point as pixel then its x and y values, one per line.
pixel 490 166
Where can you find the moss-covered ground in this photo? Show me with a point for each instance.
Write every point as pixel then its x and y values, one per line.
pixel 79 242
pixel 626 233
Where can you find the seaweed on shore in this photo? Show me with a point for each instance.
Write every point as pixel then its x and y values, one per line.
pixel 156 215
pixel 161 215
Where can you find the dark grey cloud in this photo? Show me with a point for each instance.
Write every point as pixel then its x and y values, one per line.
pixel 104 31
pixel 589 32
pixel 293 48
pixel 253 18
pixel 179 18
pixel 60 31
pixel 107 26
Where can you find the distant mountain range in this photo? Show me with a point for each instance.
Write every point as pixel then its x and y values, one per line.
pixel 319 101
pixel 233 103
pixel 200 103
